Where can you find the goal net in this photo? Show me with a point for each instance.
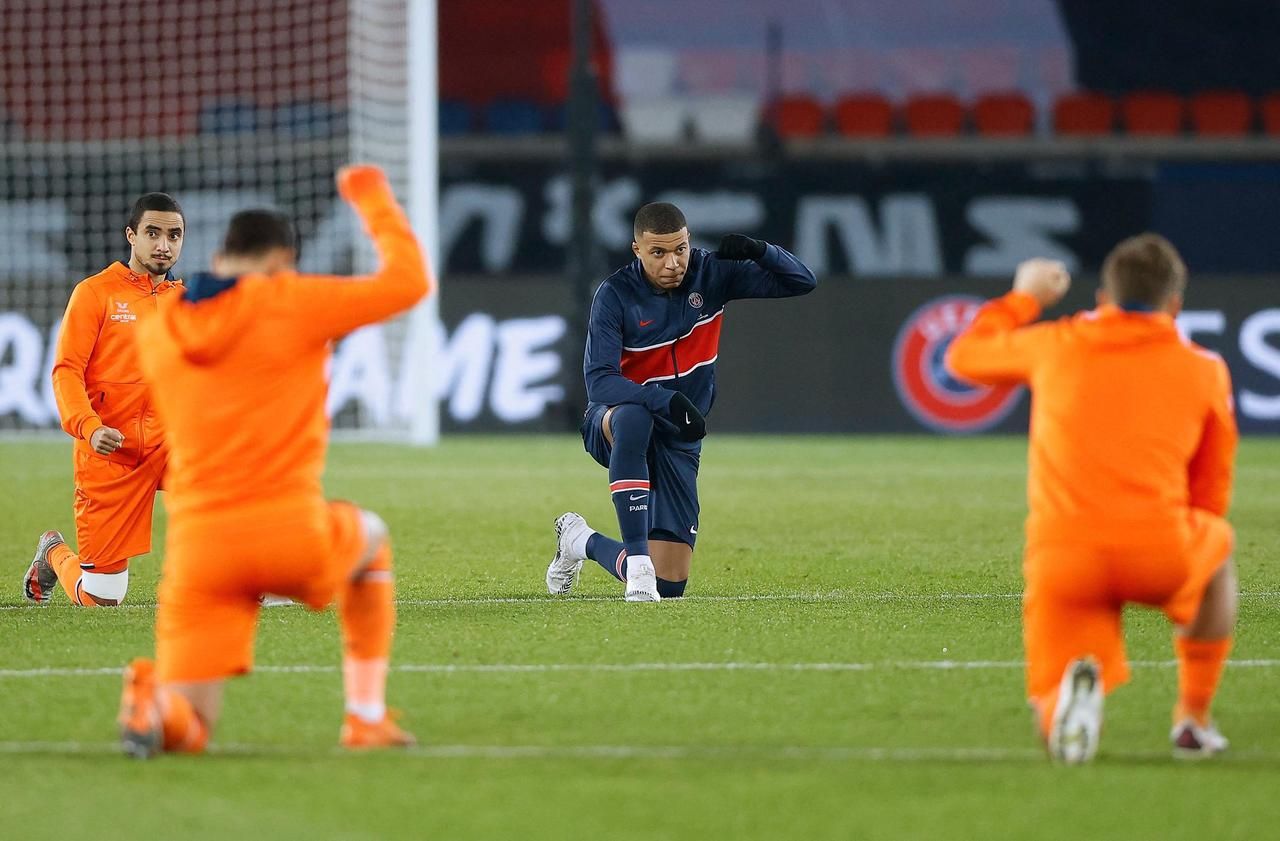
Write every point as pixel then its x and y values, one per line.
pixel 225 105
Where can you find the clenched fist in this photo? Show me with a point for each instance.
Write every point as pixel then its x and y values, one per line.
pixel 1045 280
pixel 105 440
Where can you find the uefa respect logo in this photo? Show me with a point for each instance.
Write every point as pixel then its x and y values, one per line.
pixel 930 392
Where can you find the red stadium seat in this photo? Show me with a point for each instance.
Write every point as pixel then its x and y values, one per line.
pixel 1003 114
pixel 1222 113
pixel 1084 114
pixel 863 115
pixel 1270 108
pixel 798 116
pixel 1152 113
pixel 934 115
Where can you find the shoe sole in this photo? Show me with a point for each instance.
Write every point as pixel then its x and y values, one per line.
pixel 1077 725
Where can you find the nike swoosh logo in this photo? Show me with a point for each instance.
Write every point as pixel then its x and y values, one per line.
pixel 646 323
pixel 634 497
pixel 686 418
pixel 693 529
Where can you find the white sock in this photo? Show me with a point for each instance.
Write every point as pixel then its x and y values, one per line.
pixel 633 560
pixel 368 713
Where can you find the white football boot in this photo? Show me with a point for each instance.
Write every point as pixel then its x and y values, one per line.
pixel 1191 740
pixel 1077 720
pixel 642 580
pixel 571 550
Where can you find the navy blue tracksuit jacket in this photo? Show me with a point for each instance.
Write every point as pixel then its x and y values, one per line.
pixel 644 342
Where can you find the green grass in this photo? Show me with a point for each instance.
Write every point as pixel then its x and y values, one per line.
pixel 883 552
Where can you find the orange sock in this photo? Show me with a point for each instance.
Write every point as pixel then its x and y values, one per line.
pixel 1200 664
pixel 67 564
pixel 368 615
pixel 184 732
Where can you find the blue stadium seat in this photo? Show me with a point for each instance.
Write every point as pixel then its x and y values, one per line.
pixel 229 117
pixel 309 119
pixel 455 117
pixel 606 118
pixel 514 116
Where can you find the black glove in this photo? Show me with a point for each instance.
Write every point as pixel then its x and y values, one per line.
pixel 738 247
pixel 690 424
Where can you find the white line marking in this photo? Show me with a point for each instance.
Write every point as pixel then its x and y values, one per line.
pixel 829 753
pixel 543 668
pixel 834 596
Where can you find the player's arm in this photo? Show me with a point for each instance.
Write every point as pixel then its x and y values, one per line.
pixel 994 350
pixel 1213 466
pixel 334 306
pixel 76 339
pixel 757 269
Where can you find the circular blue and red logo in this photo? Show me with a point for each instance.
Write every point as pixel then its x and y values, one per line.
pixel 930 392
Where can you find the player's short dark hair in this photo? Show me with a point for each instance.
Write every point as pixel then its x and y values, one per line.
pixel 1145 269
pixel 252 233
pixel 658 217
pixel 160 202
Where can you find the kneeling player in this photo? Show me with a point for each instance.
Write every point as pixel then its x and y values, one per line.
pixel 652 344
pixel 1131 452
pixel 237 369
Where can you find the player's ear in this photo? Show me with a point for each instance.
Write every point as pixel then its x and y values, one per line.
pixel 1173 304
pixel 129 234
pixel 1101 297
pixel 217 262
pixel 635 248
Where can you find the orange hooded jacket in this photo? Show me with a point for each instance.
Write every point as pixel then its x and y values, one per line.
pixel 239 377
pixel 97 380
pixel 1130 423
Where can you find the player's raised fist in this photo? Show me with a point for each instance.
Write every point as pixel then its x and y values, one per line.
pixel 105 440
pixel 355 181
pixel 1045 280
pixel 739 247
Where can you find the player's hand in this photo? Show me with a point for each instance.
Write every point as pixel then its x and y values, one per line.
pixel 1045 280
pixel 690 424
pixel 356 181
pixel 105 440
pixel 739 247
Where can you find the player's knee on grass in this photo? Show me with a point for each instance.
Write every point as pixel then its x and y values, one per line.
pixel 671 589
pixel 102 589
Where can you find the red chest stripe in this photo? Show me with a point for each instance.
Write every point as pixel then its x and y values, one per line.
pixel 700 346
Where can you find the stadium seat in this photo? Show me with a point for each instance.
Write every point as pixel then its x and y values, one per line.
pixel 645 73
pixel 1221 113
pixel 309 119
pixel 661 120
pixel 1003 115
pixel 863 115
pixel 1270 110
pixel 606 118
pixel 1084 114
pixel 1152 113
pixel 934 115
pixel 514 116
pixel 455 118
pixel 228 117
pixel 725 118
pixel 797 116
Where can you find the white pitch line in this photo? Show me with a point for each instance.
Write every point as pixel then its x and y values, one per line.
pixel 816 598
pixel 544 668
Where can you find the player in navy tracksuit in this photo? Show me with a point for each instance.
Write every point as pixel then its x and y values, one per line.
pixel 652 345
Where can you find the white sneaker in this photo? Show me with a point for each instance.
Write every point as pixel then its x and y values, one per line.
pixel 642 581
pixel 571 550
pixel 1077 720
pixel 1192 741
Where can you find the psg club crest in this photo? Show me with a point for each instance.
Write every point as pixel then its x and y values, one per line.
pixel 695 300
pixel 930 392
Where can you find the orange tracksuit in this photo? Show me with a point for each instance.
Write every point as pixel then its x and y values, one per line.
pixel 1131 457
pixel 97 382
pixel 240 380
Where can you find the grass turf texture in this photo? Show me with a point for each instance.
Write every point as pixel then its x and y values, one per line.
pixel 881 556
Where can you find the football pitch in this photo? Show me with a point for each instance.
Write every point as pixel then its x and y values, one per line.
pixel 846 665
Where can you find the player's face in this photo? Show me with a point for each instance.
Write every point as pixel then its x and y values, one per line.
pixel 158 240
pixel 665 257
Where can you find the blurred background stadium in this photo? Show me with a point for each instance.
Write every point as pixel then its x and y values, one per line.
pixel 910 151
